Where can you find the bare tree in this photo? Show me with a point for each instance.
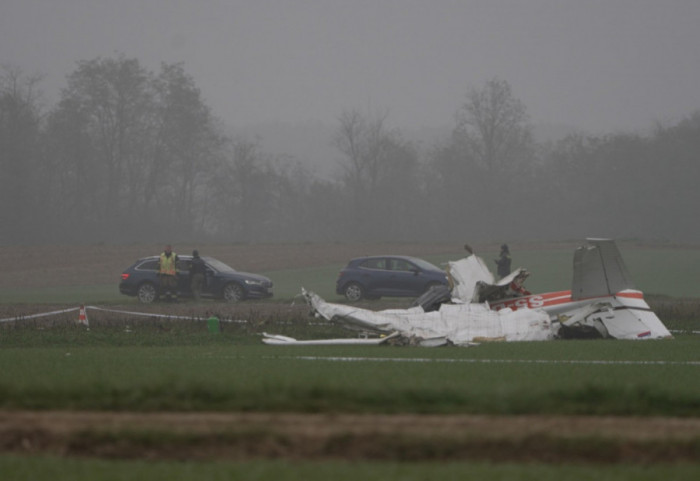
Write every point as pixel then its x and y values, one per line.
pixel 75 188
pixel 140 148
pixel 114 98
pixel 495 126
pixel 188 145
pixel 20 129
pixel 352 139
pixel 373 154
pixel 243 191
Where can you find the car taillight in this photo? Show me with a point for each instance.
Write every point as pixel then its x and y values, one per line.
pixel 125 276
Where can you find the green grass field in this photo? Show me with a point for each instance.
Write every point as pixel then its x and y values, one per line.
pixel 55 469
pixel 658 271
pixel 189 368
pixel 655 271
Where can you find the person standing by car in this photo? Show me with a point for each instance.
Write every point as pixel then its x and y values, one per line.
pixel 197 270
pixel 503 262
pixel 167 272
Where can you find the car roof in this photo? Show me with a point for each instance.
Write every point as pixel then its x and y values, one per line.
pixel 357 261
pixel 182 257
pixel 412 259
pixel 408 258
pixel 148 258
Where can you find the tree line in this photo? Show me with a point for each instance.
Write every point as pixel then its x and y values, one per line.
pixel 130 155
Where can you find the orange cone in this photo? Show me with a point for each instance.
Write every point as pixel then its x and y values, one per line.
pixel 82 317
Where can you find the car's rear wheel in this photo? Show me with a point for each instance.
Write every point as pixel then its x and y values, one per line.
pixel 353 292
pixel 147 292
pixel 233 292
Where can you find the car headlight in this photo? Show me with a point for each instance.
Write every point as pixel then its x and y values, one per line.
pixel 252 282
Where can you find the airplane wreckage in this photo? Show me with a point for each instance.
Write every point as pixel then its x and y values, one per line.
pixel 602 303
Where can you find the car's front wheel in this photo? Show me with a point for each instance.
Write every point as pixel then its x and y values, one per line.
pixel 147 292
pixel 353 292
pixel 233 292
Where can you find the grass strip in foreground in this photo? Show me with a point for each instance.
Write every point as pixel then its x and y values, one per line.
pixel 39 468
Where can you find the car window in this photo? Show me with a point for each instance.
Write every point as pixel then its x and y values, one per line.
pixel 151 265
pixel 374 264
pixel 401 265
pixel 217 265
pixel 425 265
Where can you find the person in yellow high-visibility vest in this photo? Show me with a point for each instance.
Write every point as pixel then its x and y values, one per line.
pixel 167 272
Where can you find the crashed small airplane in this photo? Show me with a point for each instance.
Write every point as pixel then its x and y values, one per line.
pixel 602 303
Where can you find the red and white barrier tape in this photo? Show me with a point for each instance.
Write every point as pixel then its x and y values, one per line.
pixel 24 317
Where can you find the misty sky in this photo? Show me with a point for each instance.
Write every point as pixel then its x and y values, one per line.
pixel 597 65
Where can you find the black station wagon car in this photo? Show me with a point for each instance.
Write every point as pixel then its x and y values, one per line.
pixel 220 281
pixel 391 276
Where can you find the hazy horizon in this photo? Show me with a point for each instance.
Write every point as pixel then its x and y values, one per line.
pixel 599 66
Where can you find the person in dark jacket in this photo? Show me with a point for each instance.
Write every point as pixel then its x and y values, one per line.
pixel 197 270
pixel 503 262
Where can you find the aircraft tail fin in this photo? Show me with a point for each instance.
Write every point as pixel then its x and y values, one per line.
pixel 599 270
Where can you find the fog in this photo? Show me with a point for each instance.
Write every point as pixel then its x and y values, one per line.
pixel 283 72
pixel 598 65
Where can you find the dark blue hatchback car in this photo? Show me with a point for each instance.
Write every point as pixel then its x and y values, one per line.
pixel 220 281
pixel 391 276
